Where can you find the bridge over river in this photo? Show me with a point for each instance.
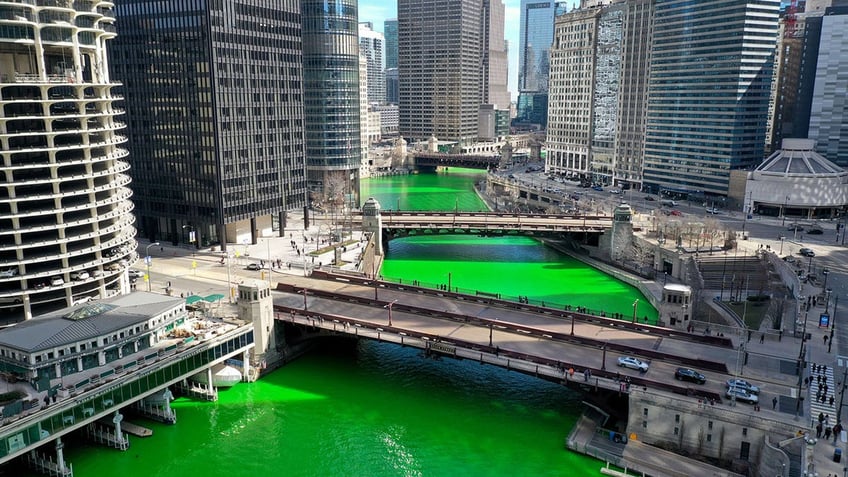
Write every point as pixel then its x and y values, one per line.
pixel 541 341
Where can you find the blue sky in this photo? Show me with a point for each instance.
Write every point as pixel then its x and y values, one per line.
pixel 376 11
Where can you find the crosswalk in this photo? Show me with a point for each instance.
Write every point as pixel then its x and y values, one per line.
pixel 822 394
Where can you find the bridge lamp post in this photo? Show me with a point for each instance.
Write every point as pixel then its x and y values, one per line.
pixel 783 211
pixel 304 291
pixel 449 281
pixel 604 358
pixel 782 238
pixel 572 324
pixel 147 260
pixel 389 307
pixel 635 307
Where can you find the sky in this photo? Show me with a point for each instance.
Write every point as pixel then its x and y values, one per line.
pixel 376 11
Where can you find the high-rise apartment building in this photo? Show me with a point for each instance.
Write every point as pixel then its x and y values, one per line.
pixel 371 45
pixel 331 98
pixel 66 223
pixel 446 68
pixel 708 93
pixel 392 86
pixel 390 33
pixel 495 56
pixel 215 108
pixel 536 34
pixel 829 111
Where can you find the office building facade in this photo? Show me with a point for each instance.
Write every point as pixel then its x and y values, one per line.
pixel 372 45
pixel 215 108
pixel 392 86
pixel 536 34
pixel 829 110
pixel 390 33
pixel 708 92
pixel 331 99
pixel 66 226
pixel 495 61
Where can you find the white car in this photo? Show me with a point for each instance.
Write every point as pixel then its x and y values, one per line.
pixel 741 395
pixel 80 275
pixel 10 300
pixel 135 273
pixel 83 299
pixel 8 273
pixel 56 281
pixel 633 363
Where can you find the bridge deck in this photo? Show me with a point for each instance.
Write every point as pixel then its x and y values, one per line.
pixel 524 330
pixel 496 221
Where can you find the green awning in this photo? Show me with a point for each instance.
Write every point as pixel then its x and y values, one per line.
pixel 213 298
pixel 191 300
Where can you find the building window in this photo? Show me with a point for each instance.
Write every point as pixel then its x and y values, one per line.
pixel 744 431
pixel 677 418
pixel 709 437
pixel 645 412
pixel 645 424
pixel 710 425
pixel 676 431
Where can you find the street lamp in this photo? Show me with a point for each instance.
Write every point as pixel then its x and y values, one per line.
pixel 304 291
pixel 572 324
pixel 825 272
pixel 147 260
pixel 389 307
pixel 782 238
pixel 783 211
pixel 635 306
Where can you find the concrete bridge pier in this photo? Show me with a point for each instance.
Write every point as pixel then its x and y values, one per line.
pixel 60 456
pixel 372 223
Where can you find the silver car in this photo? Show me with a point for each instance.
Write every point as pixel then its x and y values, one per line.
pixel 633 363
pixel 741 395
pixel 742 384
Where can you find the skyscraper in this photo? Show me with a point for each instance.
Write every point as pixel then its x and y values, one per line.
pixel 445 65
pixel 536 34
pixel 66 223
pixel 708 93
pixel 214 101
pixel 495 60
pixel 829 112
pixel 371 45
pixel 331 98
pixel 390 33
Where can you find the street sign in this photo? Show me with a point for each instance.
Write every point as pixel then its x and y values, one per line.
pixel 824 320
pixel 191 236
pixel 148 260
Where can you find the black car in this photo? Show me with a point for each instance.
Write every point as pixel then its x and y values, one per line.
pixel 686 374
pixel 815 231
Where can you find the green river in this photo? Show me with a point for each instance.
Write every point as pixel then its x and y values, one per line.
pixel 374 409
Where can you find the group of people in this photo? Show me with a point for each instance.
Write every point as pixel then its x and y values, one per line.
pixel 823 428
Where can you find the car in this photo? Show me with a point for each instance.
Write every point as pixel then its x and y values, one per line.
pixel 598 188
pixel 615 191
pixel 134 274
pixel 10 300
pixel 113 267
pixel 633 363
pixel 676 213
pixel 650 198
pixel 742 384
pixel 796 228
pixel 96 273
pixel 815 231
pixel 807 252
pixel 83 299
pixel 253 266
pixel 740 394
pixel 8 273
pixel 575 197
pixel 80 275
pixel 687 374
pixel 713 210
pixel 56 281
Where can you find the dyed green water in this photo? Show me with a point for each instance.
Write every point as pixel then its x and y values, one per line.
pixel 448 190
pixel 375 409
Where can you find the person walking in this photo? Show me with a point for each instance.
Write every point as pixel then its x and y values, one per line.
pixel 827 432
pixel 818 430
pixel 774 403
pixel 837 430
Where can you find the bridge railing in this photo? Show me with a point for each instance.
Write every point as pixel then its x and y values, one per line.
pixel 573 374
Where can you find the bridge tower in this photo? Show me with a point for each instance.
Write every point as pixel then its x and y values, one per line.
pixel 506 155
pixel 372 223
pixel 617 242
pixel 256 305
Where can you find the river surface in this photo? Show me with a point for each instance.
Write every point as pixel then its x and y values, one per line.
pixel 375 409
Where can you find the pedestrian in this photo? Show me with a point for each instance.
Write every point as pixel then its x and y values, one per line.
pixel 818 430
pixel 806 382
pixel 824 338
pixel 824 390
pixel 774 402
pixel 826 419
pixel 818 379
pixel 837 431
pixel 827 432
pixel 762 337
pixel 824 369
pixel 831 399
pixel 780 335
pixel 821 417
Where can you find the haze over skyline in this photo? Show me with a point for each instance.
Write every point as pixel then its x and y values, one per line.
pixel 377 11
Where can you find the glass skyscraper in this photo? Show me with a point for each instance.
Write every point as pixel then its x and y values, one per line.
pixel 536 35
pixel 708 92
pixel 214 105
pixel 331 97
pixel 390 32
